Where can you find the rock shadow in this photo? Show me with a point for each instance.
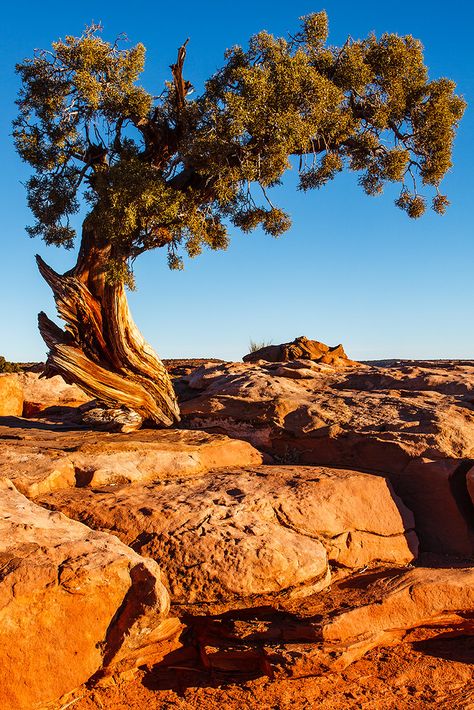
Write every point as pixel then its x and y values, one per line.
pixel 449 646
pixel 59 425
pixel 233 647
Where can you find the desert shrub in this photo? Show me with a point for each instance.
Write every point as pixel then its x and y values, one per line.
pixel 6 366
pixel 254 346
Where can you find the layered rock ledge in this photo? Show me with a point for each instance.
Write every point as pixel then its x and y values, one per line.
pixel 297 568
pixel 40 457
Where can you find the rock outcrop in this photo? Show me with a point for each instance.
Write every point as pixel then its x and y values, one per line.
pixel 41 457
pixel 297 568
pixel 73 603
pixel 41 394
pixel 229 537
pixel 11 396
pixel 330 630
pixel 421 597
pixel 414 424
pixel 301 349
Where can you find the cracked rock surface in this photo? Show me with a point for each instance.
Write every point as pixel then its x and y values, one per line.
pixel 229 536
pixel 39 457
pixel 279 573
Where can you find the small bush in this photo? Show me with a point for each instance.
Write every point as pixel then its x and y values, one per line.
pixel 253 346
pixel 6 366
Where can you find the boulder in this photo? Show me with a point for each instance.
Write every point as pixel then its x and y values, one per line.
pixel 41 393
pixel 45 458
pixel 301 349
pixel 11 396
pixel 73 603
pixel 230 537
pixel 413 424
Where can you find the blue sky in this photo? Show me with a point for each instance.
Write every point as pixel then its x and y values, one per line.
pixel 353 269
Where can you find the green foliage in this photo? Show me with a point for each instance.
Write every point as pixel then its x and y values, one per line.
pixel 119 271
pixel 6 366
pixel 175 172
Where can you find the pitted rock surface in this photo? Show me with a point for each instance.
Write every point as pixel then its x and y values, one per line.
pixel 229 536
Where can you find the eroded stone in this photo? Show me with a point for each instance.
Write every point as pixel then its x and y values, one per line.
pixel 40 458
pixel 72 602
pixel 226 537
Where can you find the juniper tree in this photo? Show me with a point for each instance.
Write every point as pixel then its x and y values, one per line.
pixel 179 172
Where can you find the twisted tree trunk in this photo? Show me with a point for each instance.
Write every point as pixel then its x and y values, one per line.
pixel 101 349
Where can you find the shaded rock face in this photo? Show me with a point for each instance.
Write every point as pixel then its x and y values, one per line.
pixel 470 483
pixel 300 349
pixel 414 424
pixel 427 666
pixel 11 396
pixel 336 627
pixel 230 537
pixel 43 459
pixel 73 602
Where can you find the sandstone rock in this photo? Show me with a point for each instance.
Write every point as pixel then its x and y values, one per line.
pixel 419 597
pixel 73 602
pixel 184 366
pixel 357 516
pixel 329 630
pixel 230 537
pixel 11 396
pixel 436 491
pixel 414 424
pixel 301 349
pixel 41 393
pixel 39 460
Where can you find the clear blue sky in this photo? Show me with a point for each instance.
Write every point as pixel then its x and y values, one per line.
pixel 353 269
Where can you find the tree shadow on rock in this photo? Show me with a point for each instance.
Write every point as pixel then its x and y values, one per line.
pixel 45 425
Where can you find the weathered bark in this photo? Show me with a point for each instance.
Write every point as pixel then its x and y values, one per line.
pixel 101 349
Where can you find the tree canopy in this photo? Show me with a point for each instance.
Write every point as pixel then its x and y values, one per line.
pixel 176 170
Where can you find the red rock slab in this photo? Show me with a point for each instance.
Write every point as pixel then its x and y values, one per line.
pixel 73 602
pixel 41 393
pixel 413 424
pixel 11 396
pixel 418 598
pixel 229 537
pixel 39 459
